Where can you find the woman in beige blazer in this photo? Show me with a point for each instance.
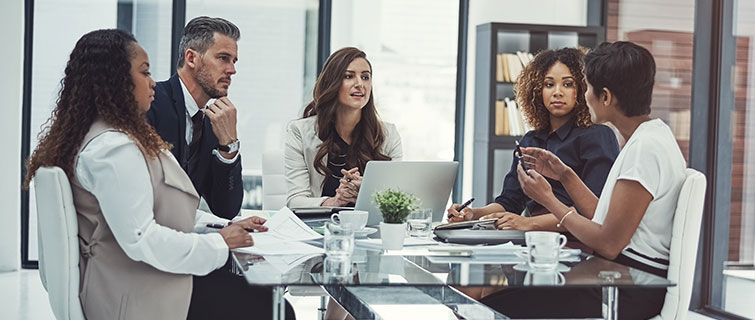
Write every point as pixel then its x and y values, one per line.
pixel 138 223
pixel 327 150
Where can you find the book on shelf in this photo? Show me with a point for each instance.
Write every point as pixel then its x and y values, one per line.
pixel 510 65
pixel 499 68
pixel 501 119
pixel 506 73
pixel 513 117
pixel 515 66
pixel 509 119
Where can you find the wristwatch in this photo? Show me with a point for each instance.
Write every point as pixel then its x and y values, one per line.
pixel 231 148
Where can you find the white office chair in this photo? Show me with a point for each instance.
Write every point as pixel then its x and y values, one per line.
pixel 58 242
pixel 685 235
pixel 274 189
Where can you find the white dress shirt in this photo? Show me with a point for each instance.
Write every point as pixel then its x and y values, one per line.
pixel 192 109
pixel 113 169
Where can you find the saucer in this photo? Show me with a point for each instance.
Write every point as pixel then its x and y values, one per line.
pixel 525 267
pixel 565 254
pixel 364 232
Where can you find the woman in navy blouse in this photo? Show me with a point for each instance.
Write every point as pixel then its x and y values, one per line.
pixel 551 94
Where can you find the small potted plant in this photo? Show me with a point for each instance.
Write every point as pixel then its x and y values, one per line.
pixel 395 205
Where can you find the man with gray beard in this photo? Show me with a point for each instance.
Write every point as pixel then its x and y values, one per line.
pixel 203 134
pixel 192 112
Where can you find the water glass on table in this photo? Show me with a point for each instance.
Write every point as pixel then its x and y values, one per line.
pixel 419 222
pixel 339 241
pixel 544 248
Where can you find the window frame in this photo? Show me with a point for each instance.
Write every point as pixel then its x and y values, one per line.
pixel 711 147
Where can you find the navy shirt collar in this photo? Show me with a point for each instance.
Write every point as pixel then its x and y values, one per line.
pixel 561 132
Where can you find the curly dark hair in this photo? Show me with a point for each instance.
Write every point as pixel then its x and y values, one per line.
pixel 529 87
pixel 97 85
pixel 367 137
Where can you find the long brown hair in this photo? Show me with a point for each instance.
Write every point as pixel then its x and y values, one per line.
pixel 529 87
pixel 97 84
pixel 367 137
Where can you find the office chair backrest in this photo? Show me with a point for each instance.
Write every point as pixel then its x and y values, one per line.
pixel 685 236
pixel 58 242
pixel 274 189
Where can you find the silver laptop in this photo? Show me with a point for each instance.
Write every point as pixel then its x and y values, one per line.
pixel 430 181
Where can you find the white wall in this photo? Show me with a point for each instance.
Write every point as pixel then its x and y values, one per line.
pixel 11 76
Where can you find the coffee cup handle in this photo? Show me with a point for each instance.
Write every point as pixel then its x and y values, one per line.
pixel 561 278
pixel 335 215
pixel 561 241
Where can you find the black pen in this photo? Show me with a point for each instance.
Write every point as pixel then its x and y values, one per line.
pixel 520 156
pixel 464 205
pixel 221 226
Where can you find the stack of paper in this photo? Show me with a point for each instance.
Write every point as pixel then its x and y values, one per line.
pixel 284 237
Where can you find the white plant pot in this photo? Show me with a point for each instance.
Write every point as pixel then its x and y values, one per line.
pixel 392 235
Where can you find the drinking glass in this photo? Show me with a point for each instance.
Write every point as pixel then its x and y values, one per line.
pixel 419 222
pixel 339 241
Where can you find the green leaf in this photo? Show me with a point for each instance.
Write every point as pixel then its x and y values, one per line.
pixel 395 205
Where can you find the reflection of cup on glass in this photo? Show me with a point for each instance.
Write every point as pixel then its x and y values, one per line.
pixel 544 248
pixel 353 219
pixel 339 241
pixel 419 222
pixel 546 278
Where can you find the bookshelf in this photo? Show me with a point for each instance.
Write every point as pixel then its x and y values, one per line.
pixel 493 152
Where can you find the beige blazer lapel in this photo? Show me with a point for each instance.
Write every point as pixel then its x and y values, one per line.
pixel 174 175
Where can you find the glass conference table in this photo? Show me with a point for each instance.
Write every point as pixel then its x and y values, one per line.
pixel 380 278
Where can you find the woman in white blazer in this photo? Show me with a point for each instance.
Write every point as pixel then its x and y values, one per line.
pixel 327 150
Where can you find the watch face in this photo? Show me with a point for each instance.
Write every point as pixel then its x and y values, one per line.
pixel 231 148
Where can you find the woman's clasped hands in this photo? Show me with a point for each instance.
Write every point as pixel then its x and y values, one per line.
pixel 347 190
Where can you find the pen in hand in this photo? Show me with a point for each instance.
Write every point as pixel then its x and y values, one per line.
pixel 463 205
pixel 221 226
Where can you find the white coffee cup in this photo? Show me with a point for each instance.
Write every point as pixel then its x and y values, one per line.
pixel 544 248
pixel 353 219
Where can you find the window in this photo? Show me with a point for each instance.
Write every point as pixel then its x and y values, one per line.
pixel 738 289
pixel 275 75
pixel 412 46
pixel 148 20
pixel 668 35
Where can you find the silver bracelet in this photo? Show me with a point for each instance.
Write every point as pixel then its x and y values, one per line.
pixel 564 217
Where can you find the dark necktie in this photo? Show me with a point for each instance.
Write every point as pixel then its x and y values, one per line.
pixel 197 122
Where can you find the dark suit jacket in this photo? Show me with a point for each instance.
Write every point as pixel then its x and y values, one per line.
pixel 219 183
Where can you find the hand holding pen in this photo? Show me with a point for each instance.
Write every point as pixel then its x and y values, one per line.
pixel 456 212
pixel 236 234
